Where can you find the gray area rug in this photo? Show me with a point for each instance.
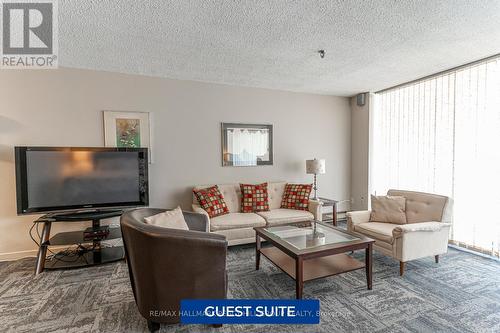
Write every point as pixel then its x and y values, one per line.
pixel 460 294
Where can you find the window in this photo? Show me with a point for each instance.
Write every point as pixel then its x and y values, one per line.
pixel 442 135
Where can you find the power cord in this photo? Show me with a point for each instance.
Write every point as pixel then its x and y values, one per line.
pixel 72 254
pixel 31 235
pixel 78 252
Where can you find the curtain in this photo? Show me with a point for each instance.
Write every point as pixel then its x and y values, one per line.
pixel 441 135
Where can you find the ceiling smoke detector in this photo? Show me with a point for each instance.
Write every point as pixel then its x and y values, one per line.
pixel 321 53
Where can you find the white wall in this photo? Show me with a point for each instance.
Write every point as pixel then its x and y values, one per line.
pixel 63 108
pixel 360 129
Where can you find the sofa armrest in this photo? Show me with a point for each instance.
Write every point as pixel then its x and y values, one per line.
pixel 197 221
pixel 422 226
pixel 356 217
pixel 418 240
pixel 315 209
pixel 197 209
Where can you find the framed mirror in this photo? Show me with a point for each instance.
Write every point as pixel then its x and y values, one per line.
pixel 247 144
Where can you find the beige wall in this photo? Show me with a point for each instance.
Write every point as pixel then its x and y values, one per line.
pixel 360 124
pixel 63 108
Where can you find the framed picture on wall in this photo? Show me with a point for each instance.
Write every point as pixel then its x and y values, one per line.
pixel 127 129
pixel 247 144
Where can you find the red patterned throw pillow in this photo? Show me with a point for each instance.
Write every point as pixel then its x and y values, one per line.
pixel 211 200
pixel 296 196
pixel 254 198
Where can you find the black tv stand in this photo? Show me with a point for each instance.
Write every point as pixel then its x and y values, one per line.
pixel 93 254
pixel 84 215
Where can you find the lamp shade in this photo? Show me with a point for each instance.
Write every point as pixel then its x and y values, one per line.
pixel 315 167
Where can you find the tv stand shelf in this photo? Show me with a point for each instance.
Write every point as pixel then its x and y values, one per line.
pixel 76 237
pixel 93 253
pixel 90 258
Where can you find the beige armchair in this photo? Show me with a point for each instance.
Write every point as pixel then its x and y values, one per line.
pixel 425 233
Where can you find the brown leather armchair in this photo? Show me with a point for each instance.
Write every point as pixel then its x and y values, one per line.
pixel 168 265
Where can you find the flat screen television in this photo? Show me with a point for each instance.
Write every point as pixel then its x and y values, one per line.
pixel 62 179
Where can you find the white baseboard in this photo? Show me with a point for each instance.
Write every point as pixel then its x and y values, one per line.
pixel 463 249
pixel 10 256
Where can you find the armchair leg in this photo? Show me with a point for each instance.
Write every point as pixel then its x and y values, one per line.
pixel 436 258
pixel 153 326
pixel 401 268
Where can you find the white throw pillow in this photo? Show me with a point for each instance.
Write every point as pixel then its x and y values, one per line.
pixel 173 219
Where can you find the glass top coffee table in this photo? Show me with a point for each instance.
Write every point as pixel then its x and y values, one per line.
pixel 307 252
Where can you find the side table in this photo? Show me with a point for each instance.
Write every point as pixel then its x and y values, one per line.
pixel 333 203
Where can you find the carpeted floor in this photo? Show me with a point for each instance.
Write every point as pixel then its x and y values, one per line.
pixel 460 294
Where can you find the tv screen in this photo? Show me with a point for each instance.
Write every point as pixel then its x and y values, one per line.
pixel 51 179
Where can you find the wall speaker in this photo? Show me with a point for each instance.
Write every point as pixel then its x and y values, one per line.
pixel 361 99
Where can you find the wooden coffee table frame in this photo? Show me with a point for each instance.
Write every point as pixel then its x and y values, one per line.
pixel 317 262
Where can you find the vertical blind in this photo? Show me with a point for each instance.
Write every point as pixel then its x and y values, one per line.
pixel 442 135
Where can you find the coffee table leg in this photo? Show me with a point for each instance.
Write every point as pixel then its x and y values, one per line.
pixel 368 265
pixel 299 282
pixel 257 251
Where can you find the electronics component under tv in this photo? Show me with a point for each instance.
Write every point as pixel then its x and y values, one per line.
pixel 61 179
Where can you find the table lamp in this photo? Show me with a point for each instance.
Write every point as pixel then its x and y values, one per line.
pixel 315 167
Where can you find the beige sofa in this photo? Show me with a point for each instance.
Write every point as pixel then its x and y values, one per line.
pixel 238 227
pixel 425 233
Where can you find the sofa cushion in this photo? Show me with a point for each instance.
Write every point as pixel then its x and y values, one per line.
pixel 380 231
pixel 211 200
pixel 275 191
pixel 235 221
pixel 284 215
pixel 296 196
pixel 254 198
pixel 389 209
pixel 422 207
pixel 238 236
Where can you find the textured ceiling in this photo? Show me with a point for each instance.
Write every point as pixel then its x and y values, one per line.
pixel 370 45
